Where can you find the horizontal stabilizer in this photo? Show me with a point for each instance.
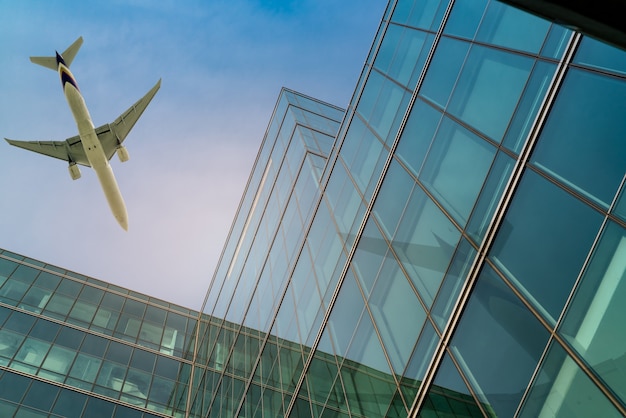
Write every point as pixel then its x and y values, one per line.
pixel 48 62
pixel 68 56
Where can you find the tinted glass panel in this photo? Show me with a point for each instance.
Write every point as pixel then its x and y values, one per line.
pixel 498 342
pixel 595 319
pixel 585 134
pixel 511 27
pixel 417 134
pixel 449 395
pixel 465 17
pixel 424 243
pixel 531 248
pixel 444 70
pixel 562 390
pixel 394 305
pixel 489 88
pixel 456 167
pixel 600 55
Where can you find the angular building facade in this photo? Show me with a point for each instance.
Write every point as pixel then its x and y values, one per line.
pixel 451 245
pixel 75 346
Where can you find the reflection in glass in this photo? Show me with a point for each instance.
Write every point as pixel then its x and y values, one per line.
pixel 489 197
pixel 399 53
pixel 392 198
pixel 529 105
pixel 489 88
pixel 582 144
pixel 594 322
pixel 600 55
pixel 452 283
pixel 498 343
pixel 444 70
pixel 465 17
pixel 424 243
pixel 449 395
pixel 511 27
pixel 422 355
pixel 456 167
pixel 417 135
pixel 562 390
pixel 392 303
pixel 533 247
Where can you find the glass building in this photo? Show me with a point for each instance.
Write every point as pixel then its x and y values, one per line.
pixel 451 245
pixel 75 346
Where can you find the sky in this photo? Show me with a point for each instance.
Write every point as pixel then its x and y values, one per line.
pixel 222 65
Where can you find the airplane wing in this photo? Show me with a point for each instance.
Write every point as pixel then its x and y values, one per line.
pixel 70 150
pixel 113 134
pixel 110 135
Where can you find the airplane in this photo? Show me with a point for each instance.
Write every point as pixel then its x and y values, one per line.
pixel 92 147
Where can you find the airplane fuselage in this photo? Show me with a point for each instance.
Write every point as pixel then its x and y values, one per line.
pixel 91 144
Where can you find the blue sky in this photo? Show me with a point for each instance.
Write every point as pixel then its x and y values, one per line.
pixel 222 63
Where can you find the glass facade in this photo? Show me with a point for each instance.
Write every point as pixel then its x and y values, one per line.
pixel 453 244
pixel 71 345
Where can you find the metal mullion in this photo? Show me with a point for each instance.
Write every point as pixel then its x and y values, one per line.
pixel 370 205
pixel 497 219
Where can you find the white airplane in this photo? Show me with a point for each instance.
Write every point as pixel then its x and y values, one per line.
pixel 93 147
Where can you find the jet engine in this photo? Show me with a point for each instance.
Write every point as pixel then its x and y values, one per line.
pixel 74 171
pixel 122 153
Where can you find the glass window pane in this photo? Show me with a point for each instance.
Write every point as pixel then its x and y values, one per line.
pixel 510 27
pixel 452 283
pixel 59 360
pixel 416 369
pixel 398 55
pixel 600 55
pixel 585 134
pixel 13 386
pixel 449 395
pixel 444 70
pixel 489 88
pixel 562 390
pixel 40 396
pixel 392 303
pixel 69 287
pixel 86 368
pixel 345 314
pixel 69 403
pixel 417 135
pixel 32 352
pixel 98 408
pixel 498 343
pixel 367 367
pixel 530 247
pixel 456 167
pixel 370 253
pixel 424 14
pixel 424 243
pixel 25 274
pixel 9 343
pixel 465 18
pixel 392 198
pixel 47 280
pixel 490 197
pixel 594 322
pixel 20 322
pixel 556 42
pixel 528 107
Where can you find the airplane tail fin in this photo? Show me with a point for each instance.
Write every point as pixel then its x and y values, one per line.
pixel 68 56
